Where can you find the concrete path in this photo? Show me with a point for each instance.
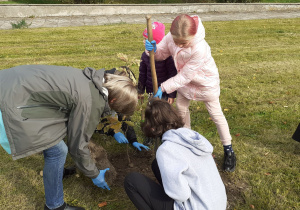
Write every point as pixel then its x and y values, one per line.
pixel 66 21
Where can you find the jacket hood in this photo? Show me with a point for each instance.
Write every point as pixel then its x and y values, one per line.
pixel 190 139
pixel 95 75
pixel 200 35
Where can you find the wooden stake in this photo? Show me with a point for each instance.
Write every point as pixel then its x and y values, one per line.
pixel 151 54
pixel 153 70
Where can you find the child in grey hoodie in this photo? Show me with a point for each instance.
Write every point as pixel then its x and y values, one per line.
pixel 184 167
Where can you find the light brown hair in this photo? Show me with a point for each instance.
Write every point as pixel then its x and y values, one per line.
pixel 160 117
pixel 183 27
pixel 122 92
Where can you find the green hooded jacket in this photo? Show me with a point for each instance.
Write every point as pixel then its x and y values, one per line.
pixel 41 104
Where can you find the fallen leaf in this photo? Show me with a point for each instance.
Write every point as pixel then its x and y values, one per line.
pixel 226 110
pixel 198 107
pixel 267 174
pixel 102 204
pixel 238 134
pixel 271 102
pixel 129 123
pixel 122 57
pixel 41 173
pixel 209 118
pixel 252 206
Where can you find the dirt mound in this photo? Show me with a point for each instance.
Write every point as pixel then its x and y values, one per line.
pixel 133 162
pixel 121 164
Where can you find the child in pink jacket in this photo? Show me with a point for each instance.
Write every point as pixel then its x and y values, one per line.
pixel 165 69
pixel 197 76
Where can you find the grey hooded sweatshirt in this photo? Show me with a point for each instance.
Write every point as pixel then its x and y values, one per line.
pixel 42 104
pixel 188 171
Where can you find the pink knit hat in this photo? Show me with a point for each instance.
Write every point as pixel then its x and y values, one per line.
pixel 158 31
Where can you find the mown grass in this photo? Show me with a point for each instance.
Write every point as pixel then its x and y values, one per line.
pixel 258 61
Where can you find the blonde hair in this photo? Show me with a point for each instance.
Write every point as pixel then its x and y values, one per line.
pixel 123 93
pixel 183 27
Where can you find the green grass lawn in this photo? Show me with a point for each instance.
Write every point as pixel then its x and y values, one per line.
pixel 258 62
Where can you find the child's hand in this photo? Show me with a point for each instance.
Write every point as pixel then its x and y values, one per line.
pixel 170 100
pixel 150 46
pixel 140 146
pixel 158 93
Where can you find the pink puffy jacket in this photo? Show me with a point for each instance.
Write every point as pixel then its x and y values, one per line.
pixel 197 74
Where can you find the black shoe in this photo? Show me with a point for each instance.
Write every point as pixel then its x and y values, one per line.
pixel 66 206
pixel 69 171
pixel 229 161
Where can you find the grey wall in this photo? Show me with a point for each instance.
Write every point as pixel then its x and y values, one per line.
pixel 39 10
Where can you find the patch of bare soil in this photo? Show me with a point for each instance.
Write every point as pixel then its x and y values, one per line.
pixel 234 190
pixel 132 162
pixel 136 161
pixel 234 187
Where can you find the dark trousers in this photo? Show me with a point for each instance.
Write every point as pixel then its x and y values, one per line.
pixel 145 193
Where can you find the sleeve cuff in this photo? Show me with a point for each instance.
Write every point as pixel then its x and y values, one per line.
pixel 162 88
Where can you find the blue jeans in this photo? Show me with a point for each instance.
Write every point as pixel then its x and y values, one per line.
pixel 55 158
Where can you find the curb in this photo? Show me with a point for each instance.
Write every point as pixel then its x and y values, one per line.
pixel 65 10
pixel 75 21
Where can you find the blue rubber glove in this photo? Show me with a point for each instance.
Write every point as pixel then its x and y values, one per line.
pixel 140 146
pixel 150 46
pixel 120 138
pixel 100 180
pixel 158 93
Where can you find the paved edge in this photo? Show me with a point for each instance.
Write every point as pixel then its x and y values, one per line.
pixel 94 20
pixel 41 10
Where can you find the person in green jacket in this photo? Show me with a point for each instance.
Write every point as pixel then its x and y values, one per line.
pixel 41 104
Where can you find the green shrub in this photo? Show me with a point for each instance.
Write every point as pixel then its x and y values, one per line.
pixel 20 24
pixel 237 1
